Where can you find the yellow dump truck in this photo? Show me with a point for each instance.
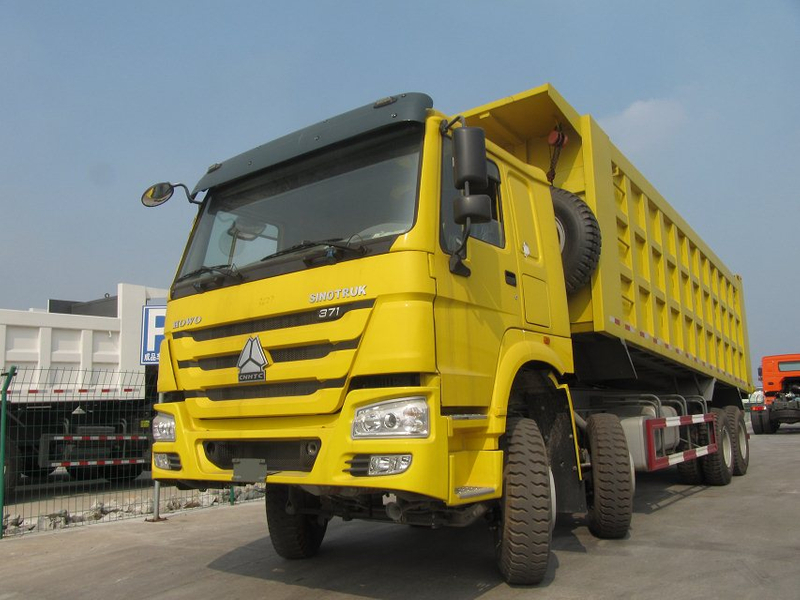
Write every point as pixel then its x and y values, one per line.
pixel 435 320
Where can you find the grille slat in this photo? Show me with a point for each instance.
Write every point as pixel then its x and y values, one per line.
pixel 270 390
pixel 283 455
pixel 310 352
pixel 308 317
pixel 359 465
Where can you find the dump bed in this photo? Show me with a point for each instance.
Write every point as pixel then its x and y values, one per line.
pixel 658 286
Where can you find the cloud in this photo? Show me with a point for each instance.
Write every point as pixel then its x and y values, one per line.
pixel 645 124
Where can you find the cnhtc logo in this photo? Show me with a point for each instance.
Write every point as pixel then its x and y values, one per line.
pixel 252 361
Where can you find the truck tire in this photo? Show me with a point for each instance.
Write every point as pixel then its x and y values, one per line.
pixel 718 467
pixel 29 463
pixel 11 467
pixel 741 444
pixel 755 421
pixel 767 424
pixel 293 533
pixel 578 236
pixel 690 472
pixel 524 530
pixel 610 495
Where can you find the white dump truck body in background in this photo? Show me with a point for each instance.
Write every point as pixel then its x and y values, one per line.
pixel 81 398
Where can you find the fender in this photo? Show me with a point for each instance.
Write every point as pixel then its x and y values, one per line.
pixel 520 347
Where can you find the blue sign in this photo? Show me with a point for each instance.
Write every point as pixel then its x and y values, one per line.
pixel 153 319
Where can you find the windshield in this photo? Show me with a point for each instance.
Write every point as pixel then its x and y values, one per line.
pixel 358 194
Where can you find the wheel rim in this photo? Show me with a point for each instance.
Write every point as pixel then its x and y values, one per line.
pixel 553 507
pixel 727 447
pixel 561 235
pixel 744 450
pixel 633 473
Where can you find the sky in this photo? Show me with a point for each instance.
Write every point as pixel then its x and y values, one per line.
pixel 98 100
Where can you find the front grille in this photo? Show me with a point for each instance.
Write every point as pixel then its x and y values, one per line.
pixel 174 461
pixel 284 455
pixel 385 381
pixel 359 465
pixel 308 317
pixel 310 352
pixel 269 390
pixel 279 355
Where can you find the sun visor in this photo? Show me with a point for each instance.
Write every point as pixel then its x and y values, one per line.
pixel 384 112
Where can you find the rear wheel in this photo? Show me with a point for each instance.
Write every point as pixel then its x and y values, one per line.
pixel 11 466
pixel 28 461
pixel 690 472
pixel 718 467
pixel 294 532
pixel 524 531
pixel 741 445
pixel 756 422
pixel 767 424
pixel 610 495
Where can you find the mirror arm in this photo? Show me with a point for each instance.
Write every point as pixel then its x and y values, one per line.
pixel 448 125
pixel 457 266
pixel 189 196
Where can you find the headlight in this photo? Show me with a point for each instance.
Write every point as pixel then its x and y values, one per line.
pixel 164 428
pixel 406 418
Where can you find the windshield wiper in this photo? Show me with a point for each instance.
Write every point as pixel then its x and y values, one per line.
pixel 225 269
pixel 331 247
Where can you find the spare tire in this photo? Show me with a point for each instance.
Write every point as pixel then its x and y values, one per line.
pixel 578 237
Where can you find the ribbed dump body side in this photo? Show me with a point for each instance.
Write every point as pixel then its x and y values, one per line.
pixel 658 286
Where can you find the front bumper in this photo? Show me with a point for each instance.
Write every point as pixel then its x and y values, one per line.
pixel 320 451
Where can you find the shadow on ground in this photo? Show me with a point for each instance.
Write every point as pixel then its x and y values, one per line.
pixel 388 562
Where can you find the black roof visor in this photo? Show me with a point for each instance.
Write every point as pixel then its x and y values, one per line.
pixel 392 109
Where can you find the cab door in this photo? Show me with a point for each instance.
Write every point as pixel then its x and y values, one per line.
pixel 541 279
pixel 472 313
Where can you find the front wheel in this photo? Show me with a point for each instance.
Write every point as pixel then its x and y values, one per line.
pixel 295 528
pixel 524 531
pixel 610 495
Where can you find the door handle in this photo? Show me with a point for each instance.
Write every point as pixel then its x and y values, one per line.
pixel 511 279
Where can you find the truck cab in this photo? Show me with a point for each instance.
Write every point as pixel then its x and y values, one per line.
pixel 316 305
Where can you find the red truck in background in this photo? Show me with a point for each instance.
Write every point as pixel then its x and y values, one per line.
pixel 780 375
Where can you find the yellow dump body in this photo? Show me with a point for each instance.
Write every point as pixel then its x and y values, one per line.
pixel 658 286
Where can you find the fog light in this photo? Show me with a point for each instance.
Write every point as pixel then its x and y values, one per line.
pixel 161 461
pixel 390 464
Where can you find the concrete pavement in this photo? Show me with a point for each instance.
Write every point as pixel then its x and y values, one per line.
pixel 738 541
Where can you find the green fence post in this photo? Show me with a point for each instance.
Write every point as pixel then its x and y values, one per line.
pixel 9 376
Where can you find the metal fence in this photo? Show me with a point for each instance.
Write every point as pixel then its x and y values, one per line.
pixel 75 448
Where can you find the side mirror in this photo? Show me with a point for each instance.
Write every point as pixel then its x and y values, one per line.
pixel 476 207
pixel 469 169
pixel 469 158
pixel 157 194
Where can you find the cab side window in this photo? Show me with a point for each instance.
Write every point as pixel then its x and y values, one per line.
pixel 491 232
